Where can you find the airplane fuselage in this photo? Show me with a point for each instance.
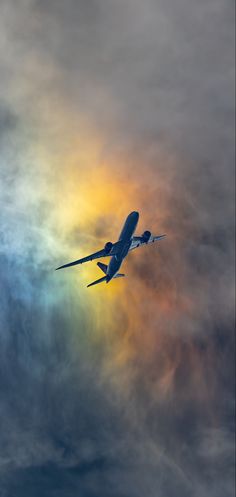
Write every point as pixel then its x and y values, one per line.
pixel 125 238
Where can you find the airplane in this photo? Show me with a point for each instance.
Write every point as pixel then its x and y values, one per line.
pixel 118 250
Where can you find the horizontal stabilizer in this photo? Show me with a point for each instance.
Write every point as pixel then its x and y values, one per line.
pixel 159 237
pixel 119 275
pixel 102 266
pixel 104 278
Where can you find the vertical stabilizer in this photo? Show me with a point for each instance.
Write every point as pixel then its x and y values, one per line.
pixel 102 266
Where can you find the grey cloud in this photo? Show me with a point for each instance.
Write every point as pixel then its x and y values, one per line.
pixel 157 78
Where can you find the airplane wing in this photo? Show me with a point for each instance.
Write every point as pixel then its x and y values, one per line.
pixel 137 241
pixel 96 255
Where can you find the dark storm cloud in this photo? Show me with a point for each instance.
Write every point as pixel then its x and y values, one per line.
pixel 151 75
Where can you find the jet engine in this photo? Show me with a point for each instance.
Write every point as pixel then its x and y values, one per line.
pixel 146 236
pixel 108 247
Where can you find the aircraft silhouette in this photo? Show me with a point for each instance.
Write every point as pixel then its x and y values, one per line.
pixel 118 250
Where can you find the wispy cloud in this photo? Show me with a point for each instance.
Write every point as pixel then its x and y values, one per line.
pixel 106 107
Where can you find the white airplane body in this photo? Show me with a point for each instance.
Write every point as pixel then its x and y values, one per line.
pixel 118 250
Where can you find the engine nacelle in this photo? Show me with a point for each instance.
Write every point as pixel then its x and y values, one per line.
pixel 108 247
pixel 146 236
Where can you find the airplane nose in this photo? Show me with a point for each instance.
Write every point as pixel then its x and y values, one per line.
pixel 135 214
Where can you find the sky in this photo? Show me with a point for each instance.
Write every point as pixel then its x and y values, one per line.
pixel 126 389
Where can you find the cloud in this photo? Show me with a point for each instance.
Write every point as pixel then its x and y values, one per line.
pixel 107 107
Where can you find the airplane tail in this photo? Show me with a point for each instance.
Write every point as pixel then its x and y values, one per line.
pixel 102 266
